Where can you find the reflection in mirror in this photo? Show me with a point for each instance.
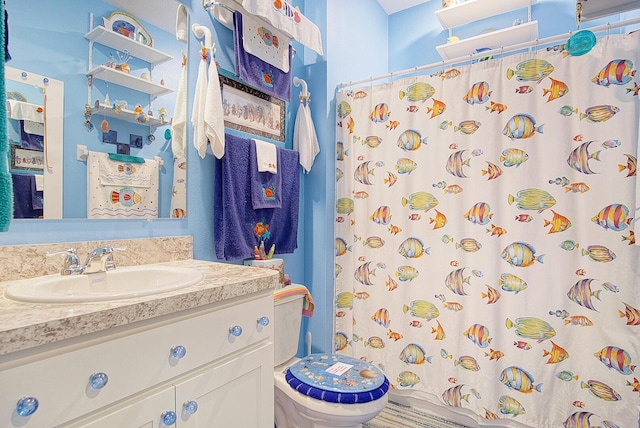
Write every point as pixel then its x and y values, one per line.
pixel 34 132
pixel 121 68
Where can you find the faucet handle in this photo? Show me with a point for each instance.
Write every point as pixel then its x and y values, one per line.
pixel 71 261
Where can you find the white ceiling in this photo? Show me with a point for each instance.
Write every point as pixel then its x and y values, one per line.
pixel 393 6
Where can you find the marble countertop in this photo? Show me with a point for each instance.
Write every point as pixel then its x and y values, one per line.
pixel 28 325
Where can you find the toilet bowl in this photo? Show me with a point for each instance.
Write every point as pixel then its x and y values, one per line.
pixel 319 390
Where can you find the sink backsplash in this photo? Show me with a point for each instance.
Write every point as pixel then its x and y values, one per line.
pixel 29 261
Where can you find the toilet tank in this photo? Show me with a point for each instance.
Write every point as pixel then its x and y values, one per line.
pixel 287 312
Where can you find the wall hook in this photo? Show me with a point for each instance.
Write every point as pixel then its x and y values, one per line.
pixel 304 94
pixel 202 32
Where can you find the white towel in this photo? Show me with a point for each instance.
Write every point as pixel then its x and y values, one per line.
pixel 213 115
pixel 119 200
pixel 34 128
pixel 181 23
pixel 266 156
pixel 265 42
pixel 20 110
pixel 119 173
pixel 305 139
pixel 179 121
pixel 197 112
pixel 288 20
pixel 39 182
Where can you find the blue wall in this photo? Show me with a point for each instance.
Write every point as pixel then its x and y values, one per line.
pixel 360 41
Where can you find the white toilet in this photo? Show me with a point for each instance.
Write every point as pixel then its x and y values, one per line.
pixel 353 392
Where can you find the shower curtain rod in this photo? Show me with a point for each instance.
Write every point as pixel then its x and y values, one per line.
pixel 484 54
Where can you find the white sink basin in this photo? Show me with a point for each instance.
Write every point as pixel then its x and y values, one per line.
pixel 120 283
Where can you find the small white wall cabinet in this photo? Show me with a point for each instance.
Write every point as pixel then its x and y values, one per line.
pixel 474 10
pixel 185 370
pixel 151 55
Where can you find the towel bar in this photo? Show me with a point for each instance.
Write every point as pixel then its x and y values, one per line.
pixel 82 153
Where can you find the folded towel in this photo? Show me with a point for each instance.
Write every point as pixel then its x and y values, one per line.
pixel 197 111
pixel 265 42
pixel 256 72
pixel 213 115
pixel 39 178
pixel 305 139
pixel 292 290
pixel 288 20
pixel 182 19
pixel 113 172
pixel 118 157
pixel 20 110
pixel 116 190
pixel 266 156
pixel 237 226
pixel 24 196
pixel 35 128
pixel 179 120
pixel 31 140
pixel 266 187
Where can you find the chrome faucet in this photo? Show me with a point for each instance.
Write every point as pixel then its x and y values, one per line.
pixel 98 260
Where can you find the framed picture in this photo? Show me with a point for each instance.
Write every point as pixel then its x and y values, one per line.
pixel 123 149
pixel 110 137
pixel 252 111
pixel 26 160
pixel 135 141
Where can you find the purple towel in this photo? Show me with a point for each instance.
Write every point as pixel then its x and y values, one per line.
pixel 266 188
pixel 24 196
pixel 237 226
pixel 257 73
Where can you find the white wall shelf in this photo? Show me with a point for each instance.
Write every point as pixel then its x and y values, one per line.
pixel 598 9
pixel 475 10
pixel 130 81
pixel 111 39
pixel 508 36
pixel 127 115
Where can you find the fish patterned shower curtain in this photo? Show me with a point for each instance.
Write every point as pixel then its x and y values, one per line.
pixel 485 253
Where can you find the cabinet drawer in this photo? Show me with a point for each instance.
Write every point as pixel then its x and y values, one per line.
pixel 133 362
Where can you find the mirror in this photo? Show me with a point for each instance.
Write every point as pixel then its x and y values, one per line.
pixel 112 69
pixel 35 149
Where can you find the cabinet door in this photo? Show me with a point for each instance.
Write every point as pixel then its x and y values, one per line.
pixel 139 412
pixel 235 394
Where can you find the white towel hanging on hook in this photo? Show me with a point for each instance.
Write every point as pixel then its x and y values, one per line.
pixel 305 139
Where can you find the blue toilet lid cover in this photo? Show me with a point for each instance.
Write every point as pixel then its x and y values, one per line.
pixel 337 379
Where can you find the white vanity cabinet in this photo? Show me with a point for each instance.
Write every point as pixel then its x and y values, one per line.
pixel 218 356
